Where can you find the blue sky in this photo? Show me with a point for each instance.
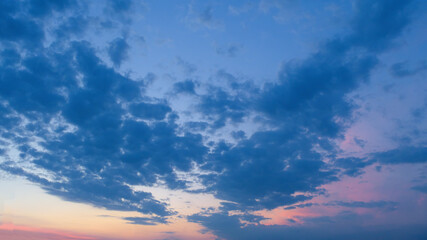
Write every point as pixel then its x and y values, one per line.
pixel 214 119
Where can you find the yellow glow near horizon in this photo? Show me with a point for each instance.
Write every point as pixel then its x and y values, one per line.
pixel 25 204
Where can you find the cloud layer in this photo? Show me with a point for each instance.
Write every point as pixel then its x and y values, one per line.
pixel 89 132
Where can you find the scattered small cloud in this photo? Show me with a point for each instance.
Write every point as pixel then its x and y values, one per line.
pixel 229 51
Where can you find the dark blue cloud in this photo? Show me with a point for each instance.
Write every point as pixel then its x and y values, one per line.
pixel 188 68
pixel 10 57
pixel 34 89
pixel 187 86
pixel 315 88
pixel 150 111
pixel 386 205
pixel 24 22
pixel 238 135
pixel 403 69
pixel 205 16
pixel 352 166
pixel 15 27
pixel 118 51
pixel 196 126
pixel 119 11
pixel 108 193
pixel 146 220
pixel 345 225
pixel 101 134
pixel 421 188
pixel 120 5
pixel 313 91
pixel 201 15
pixel 266 170
pixel 108 149
pixel 73 26
pixel 360 142
pixel 229 51
pixel 377 23
pixel 302 205
pixel 42 8
pixel 402 155
pixel 221 107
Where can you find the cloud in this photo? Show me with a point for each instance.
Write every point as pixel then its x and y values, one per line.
pixel 352 166
pixel 73 26
pixel 150 111
pixel 95 150
pixel 186 66
pixel 401 69
pixel 220 107
pixel 229 51
pixel 238 134
pixel 89 134
pixel 237 10
pixel 120 5
pixel 346 225
pixel 302 205
pixel 260 172
pixel 18 28
pixel 402 155
pixel 386 205
pixel 281 11
pixel 314 90
pixel 201 17
pixel 187 86
pixel 420 188
pixel 307 107
pixel 146 220
pixel 121 10
pixel 118 51
pixel 377 23
pixel 196 126
pixel 43 8
pixel 205 16
pixel 352 204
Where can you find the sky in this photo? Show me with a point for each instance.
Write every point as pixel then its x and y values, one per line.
pixel 263 119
